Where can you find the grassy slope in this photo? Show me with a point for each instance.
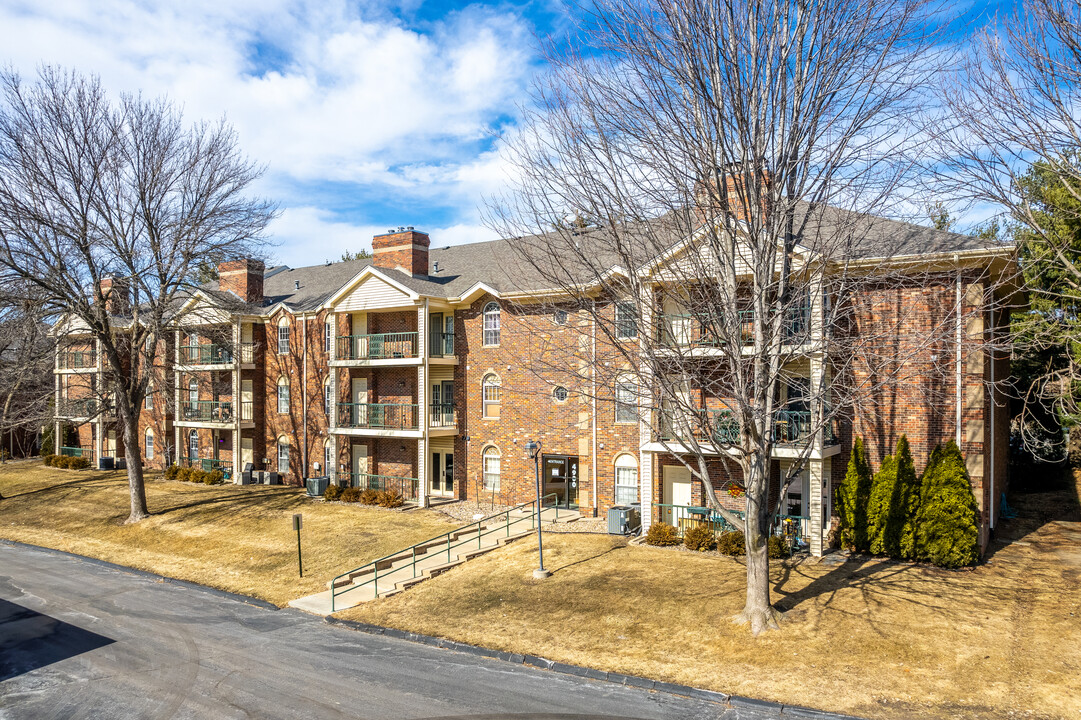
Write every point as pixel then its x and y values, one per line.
pixel 870 637
pixel 234 538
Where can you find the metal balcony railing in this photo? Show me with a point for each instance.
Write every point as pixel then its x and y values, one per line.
pixel 77 452
pixel 81 408
pixel 206 354
pixel 704 329
pixel 381 346
pixel 207 464
pixel 77 360
pixel 789 427
pixel 208 411
pixel 378 416
pixel 441 344
pixel 442 415
pixel 405 486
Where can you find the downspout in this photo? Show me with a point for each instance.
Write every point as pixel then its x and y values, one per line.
pixel 992 413
pixel 957 342
pixel 593 391
pixel 304 411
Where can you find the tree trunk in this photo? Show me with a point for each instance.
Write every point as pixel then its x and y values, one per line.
pixel 758 611
pixel 133 455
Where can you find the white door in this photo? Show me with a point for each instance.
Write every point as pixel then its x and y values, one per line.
pixel 247 453
pixel 359 398
pixel 677 323
pixel 246 398
pixel 110 444
pixel 360 460
pixel 677 493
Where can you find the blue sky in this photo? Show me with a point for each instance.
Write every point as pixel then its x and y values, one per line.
pixel 368 115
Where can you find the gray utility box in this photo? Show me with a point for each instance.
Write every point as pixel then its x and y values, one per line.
pixel 317 485
pixel 624 519
pixel 106 463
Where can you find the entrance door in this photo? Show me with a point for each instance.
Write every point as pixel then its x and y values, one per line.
pixel 435 334
pixel 110 443
pixel 676 494
pixel 247 454
pixel 246 397
pixel 360 466
pixel 358 412
pixel 560 474
pixel 442 480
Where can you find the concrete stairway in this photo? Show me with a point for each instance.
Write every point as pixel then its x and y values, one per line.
pixel 402 570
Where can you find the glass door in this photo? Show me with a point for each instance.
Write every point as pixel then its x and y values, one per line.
pixel 561 479
pixel 442 474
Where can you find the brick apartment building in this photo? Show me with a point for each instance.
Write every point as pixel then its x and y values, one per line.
pixel 406 371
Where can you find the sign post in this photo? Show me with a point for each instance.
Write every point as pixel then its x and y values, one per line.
pixel 297 522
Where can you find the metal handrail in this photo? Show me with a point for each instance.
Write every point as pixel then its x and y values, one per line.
pixel 698 329
pixel 210 411
pixel 205 354
pixel 371 481
pixel 374 564
pixel 379 416
pixel 781 525
pixel 78 360
pixel 77 452
pixel 442 415
pixel 379 346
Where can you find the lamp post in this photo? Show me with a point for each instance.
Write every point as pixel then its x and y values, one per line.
pixel 533 447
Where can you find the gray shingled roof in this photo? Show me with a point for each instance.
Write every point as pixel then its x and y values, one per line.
pixel 496 264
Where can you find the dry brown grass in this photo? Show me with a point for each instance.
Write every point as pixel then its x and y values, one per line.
pixel 869 637
pixel 230 537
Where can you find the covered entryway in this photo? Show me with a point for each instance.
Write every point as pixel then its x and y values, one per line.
pixel 675 494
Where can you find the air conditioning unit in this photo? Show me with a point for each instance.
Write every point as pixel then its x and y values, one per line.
pixel 624 519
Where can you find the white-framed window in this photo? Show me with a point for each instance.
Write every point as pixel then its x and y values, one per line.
pixel 626 479
pixel 283 336
pixel 283 456
pixel 193 392
pixel 328 336
pixel 626 402
pixel 560 393
pixel 491 469
pixel 148 401
pixel 193 445
pixel 193 339
pixel 283 395
pixel 491 390
pixel 148 453
pixel 328 401
pixel 328 458
pixel 559 317
pixel 626 320
pixel 491 324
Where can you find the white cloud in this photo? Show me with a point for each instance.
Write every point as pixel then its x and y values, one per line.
pixel 337 94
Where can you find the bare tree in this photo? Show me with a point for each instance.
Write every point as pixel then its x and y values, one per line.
pixel 1012 111
pixel 697 182
pixel 107 209
pixel 26 360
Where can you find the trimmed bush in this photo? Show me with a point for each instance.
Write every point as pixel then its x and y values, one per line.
pixel 79 463
pixel 369 496
pixel 215 477
pixel 852 499
pixel 390 499
pixel 333 492
pixel 732 543
pixel 946 531
pixel 699 538
pixel 63 462
pixel 893 503
pixel 171 472
pixel 351 495
pixel 48 460
pixel 662 534
pixel 777 548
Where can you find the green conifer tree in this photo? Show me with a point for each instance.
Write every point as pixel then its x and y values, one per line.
pixel 878 505
pixel 853 497
pixel 908 502
pixel 947 533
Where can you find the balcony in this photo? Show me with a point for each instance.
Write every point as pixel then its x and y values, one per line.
pixel 207 464
pixel 380 347
pixel 214 354
pixel 81 408
pixel 77 360
pixel 206 411
pixel 405 486
pixel 790 427
pixel 704 329
pixel 443 418
pixel 378 416
pixel 79 452
pixel 441 345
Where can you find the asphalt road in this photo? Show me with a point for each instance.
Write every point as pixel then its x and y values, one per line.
pixel 79 640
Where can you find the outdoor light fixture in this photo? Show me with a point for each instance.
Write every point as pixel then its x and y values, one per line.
pixel 533 447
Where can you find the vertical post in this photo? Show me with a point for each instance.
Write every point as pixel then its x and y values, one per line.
pixel 534 449
pixel 297 522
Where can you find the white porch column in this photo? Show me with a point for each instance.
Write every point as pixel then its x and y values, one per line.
pixel 422 405
pixel 646 415
pixel 176 398
pixel 815 506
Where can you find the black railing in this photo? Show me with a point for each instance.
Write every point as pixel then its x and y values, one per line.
pixel 442 415
pixel 378 416
pixel 404 486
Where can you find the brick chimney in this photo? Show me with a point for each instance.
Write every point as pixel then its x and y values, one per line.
pixel 405 250
pixel 117 294
pixel 710 203
pixel 243 278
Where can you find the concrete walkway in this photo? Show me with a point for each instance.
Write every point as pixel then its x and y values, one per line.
pixel 79 640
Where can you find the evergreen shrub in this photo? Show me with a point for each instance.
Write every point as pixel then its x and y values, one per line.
pixel 699 538
pixel 732 543
pixel 662 534
pixel 947 533
pixel 852 500
pixel 333 493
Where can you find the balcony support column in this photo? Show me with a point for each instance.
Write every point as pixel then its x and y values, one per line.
pixel 647 415
pixel 176 399
pixel 422 404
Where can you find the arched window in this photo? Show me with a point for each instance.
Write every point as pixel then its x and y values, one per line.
pixel 491 469
pixel 193 445
pixel 283 336
pixel 626 479
pixel 491 324
pixel 491 396
pixel 328 401
pixel 283 395
pixel 283 455
pixel 149 451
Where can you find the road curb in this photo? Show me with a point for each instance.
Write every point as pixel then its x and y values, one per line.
pixel 248 599
pixel 734 701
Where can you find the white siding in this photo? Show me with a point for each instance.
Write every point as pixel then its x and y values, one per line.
pixel 373 293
